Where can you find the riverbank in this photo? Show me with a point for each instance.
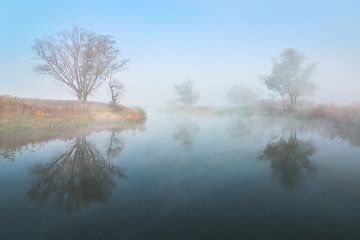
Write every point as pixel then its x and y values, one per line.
pixel 19 114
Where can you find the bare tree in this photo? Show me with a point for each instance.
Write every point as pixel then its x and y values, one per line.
pixel 80 59
pixel 116 91
pixel 290 77
pixel 187 95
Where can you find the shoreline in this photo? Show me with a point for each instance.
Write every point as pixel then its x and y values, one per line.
pixel 21 114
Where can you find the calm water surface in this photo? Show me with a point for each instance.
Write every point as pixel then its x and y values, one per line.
pixel 182 177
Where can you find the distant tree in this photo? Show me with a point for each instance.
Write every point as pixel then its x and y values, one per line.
pixel 240 96
pixel 187 95
pixel 290 77
pixel 116 91
pixel 80 59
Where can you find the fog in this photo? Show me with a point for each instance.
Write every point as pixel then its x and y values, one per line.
pixel 216 45
pixel 179 119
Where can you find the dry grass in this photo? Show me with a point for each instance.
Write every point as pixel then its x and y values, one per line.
pixel 22 114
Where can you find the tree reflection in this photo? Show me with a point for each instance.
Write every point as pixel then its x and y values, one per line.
pixel 116 144
pixel 289 157
pixel 185 133
pixel 9 148
pixel 240 129
pixel 79 176
pixel 8 154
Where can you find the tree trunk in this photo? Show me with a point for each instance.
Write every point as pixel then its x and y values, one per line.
pixel 84 101
pixel 293 104
pixel 80 98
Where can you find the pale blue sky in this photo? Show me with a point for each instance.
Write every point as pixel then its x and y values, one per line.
pixel 215 43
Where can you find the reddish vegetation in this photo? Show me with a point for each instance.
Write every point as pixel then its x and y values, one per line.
pixel 334 113
pixel 18 113
pixel 10 106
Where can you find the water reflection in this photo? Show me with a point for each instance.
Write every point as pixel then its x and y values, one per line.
pixel 185 133
pixel 239 129
pixel 12 145
pixel 8 154
pixel 115 145
pixel 348 132
pixel 289 157
pixel 244 127
pixel 76 177
pixel 23 141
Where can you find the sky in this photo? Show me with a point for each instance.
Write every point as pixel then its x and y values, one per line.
pixel 216 44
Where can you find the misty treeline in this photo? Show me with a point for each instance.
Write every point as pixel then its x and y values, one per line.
pixel 83 61
pixel 289 80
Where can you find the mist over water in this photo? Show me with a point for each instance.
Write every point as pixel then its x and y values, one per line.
pixel 187 175
pixel 179 119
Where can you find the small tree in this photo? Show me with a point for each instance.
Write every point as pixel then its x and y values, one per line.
pixel 290 77
pixel 116 91
pixel 240 96
pixel 80 59
pixel 187 95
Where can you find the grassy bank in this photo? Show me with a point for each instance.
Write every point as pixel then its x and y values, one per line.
pixel 17 114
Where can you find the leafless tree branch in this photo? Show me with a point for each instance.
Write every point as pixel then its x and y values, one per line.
pixel 80 59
